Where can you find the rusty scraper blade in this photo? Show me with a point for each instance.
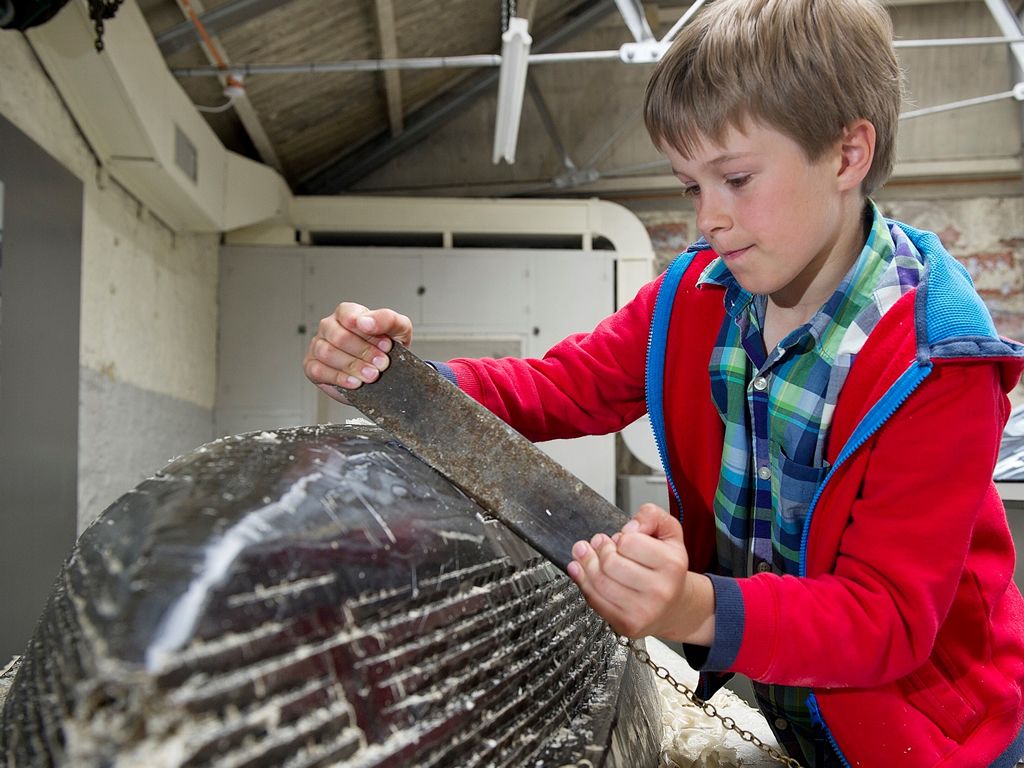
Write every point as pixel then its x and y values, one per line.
pixel 513 480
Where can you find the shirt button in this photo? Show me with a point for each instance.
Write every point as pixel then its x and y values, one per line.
pixel 764 473
pixel 760 383
pixel 763 567
pixel 781 724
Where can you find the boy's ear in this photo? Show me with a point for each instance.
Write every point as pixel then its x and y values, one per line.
pixel 857 150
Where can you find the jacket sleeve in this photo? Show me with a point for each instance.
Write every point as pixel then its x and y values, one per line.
pixel 902 555
pixel 587 384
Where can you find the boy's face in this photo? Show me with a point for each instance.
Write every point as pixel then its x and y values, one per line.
pixel 776 218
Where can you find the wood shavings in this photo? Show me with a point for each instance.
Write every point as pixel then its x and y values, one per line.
pixel 690 738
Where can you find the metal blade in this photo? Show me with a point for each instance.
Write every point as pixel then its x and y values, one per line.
pixel 542 502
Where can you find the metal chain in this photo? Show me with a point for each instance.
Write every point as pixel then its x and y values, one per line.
pixel 508 10
pixel 98 11
pixel 707 708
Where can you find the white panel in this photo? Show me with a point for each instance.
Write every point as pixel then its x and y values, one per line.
pixel 471 302
pixel 448 347
pixel 260 384
pixel 374 277
pixel 571 291
pixel 469 287
pixel 591 459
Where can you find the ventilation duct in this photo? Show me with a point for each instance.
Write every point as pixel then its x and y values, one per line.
pixel 146 131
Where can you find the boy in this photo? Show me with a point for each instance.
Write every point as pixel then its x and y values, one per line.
pixel 828 392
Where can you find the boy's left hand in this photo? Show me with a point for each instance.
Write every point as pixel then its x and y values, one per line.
pixel 639 580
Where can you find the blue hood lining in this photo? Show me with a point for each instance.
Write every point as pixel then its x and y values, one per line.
pixel 948 308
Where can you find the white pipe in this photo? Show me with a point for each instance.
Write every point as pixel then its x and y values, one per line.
pixel 683 19
pixel 1009 25
pixel 958 105
pixel 554 58
pixel 952 42
pixel 380 65
pixel 355 65
pixel 494 60
pixel 633 14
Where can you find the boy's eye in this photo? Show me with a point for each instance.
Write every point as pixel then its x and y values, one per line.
pixel 737 181
pixel 691 190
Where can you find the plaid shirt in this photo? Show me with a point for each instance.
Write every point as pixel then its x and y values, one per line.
pixel 777 408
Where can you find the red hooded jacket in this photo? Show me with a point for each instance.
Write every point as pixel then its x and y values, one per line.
pixel 911 630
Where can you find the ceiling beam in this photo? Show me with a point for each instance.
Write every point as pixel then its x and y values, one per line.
pixel 340 173
pixel 231 14
pixel 215 54
pixel 389 50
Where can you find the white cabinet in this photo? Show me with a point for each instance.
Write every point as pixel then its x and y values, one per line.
pixel 463 302
pixel 260 341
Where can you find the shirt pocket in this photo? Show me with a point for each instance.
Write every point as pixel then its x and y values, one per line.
pixel 797 484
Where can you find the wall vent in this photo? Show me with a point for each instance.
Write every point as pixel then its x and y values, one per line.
pixel 185 155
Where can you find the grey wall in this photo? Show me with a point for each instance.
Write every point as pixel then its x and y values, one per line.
pixel 41 287
pixel 147 341
pixel 127 434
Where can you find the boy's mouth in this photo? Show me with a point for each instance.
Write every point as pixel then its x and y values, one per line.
pixel 727 255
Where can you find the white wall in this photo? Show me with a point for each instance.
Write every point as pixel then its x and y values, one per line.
pixel 149 307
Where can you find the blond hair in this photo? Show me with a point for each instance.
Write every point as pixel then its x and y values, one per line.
pixel 807 68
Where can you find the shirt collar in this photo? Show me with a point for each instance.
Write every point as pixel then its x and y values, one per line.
pixel 736 298
pixel 879 243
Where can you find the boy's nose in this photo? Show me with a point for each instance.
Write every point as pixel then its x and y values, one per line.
pixel 712 215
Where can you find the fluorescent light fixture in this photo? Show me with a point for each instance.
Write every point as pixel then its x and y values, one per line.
pixel 515 56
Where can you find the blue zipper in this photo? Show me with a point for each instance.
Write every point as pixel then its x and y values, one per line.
pixel 880 413
pixel 817 719
pixel 655 380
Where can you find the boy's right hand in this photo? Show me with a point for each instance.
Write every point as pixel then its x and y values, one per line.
pixel 351 347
